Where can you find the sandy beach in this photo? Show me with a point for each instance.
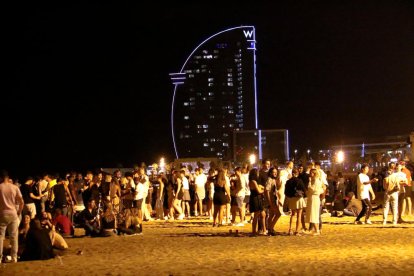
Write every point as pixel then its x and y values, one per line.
pixel 194 247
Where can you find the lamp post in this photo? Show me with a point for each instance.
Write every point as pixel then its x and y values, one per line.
pixel 308 151
pixel 294 158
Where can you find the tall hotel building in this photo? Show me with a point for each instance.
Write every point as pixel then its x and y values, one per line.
pixel 215 94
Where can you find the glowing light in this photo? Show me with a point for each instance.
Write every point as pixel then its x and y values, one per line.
pixel 162 163
pixel 340 156
pixel 252 159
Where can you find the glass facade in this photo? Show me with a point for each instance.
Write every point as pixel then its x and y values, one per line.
pixel 215 94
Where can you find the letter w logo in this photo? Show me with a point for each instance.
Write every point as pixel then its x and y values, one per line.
pixel 248 34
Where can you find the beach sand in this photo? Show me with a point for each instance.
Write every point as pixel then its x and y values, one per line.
pixel 194 247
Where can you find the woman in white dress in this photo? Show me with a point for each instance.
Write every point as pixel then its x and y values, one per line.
pixel 315 188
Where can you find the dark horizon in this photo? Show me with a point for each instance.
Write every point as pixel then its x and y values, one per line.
pixel 90 85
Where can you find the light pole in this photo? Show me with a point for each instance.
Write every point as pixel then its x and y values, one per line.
pixel 308 151
pixel 296 152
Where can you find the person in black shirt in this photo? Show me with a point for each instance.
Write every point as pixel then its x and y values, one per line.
pixel 60 196
pixel 89 219
pixel 29 197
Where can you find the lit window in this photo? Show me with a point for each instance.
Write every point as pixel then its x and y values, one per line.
pixel 205 126
pixel 206 144
pixel 225 144
pixel 211 93
pixel 186 117
pixel 186 104
pixel 210 84
pixel 228 84
pixel 210 79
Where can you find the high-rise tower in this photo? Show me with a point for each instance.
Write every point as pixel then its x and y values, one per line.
pixel 215 94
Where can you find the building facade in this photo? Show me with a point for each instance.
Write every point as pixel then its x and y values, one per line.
pixel 215 94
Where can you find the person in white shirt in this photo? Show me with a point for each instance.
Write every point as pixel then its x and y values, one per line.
pixel 392 185
pixel 200 190
pixel 364 190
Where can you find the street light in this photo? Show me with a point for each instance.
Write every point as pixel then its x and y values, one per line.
pixel 162 164
pixel 340 156
pixel 296 152
pixel 252 159
pixel 308 151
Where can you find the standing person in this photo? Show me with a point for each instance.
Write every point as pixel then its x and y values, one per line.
pixel 315 189
pixel 200 181
pixel 211 179
pixel 405 192
pixel 28 197
pixel 256 203
pixel 364 189
pixel 262 180
pixel 295 190
pixel 275 205
pixel 11 206
pixel 391 186
pixel 239 193
pixel 221 194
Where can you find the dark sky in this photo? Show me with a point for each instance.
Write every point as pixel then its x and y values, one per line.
pixel 89 85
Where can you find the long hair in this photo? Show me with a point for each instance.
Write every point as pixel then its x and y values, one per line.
pixel 253 175
pixel 221 178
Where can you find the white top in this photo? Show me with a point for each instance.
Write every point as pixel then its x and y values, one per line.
pixel 186 185
pixel 363 190
pixel 200 180
pixel 142 190
pixel 243 184
pixel 245 176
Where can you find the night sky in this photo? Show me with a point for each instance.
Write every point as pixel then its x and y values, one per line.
pixel 88 84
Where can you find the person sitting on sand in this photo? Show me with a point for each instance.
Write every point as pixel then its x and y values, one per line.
pixel 38 244
pixel 353 206
pixel 108 222
pixel 89 219
pixel 62 224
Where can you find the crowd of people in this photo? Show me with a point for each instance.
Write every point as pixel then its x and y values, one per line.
pixel 43 211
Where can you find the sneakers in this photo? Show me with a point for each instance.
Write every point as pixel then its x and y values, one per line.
pixel 368 221
pixel 181 217
pixel 240 224
pixel 384 222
